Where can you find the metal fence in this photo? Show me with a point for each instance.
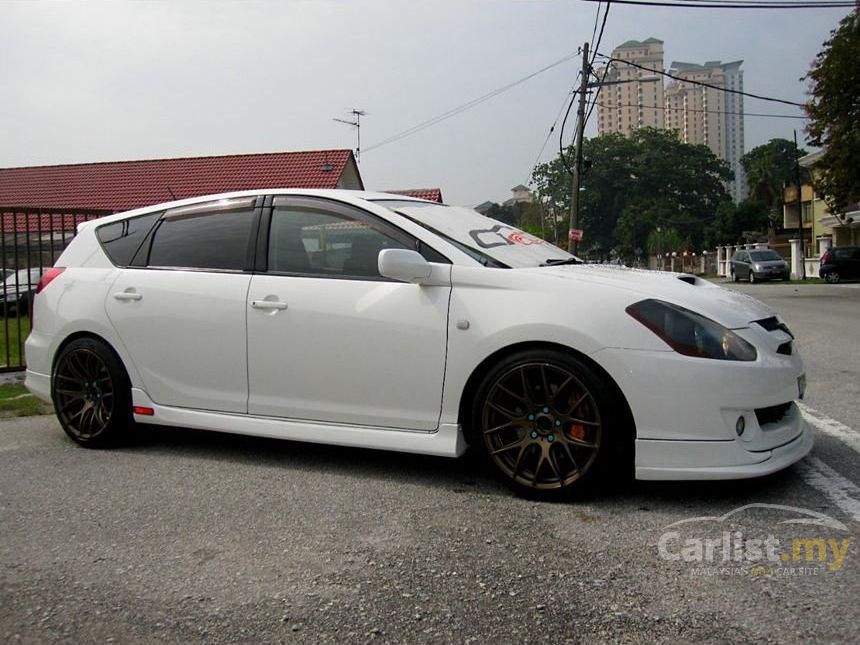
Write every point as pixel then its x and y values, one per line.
pixel 31 239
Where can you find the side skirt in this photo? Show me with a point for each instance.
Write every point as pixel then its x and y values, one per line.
pixel 446 441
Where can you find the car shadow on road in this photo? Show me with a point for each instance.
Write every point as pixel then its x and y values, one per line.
pixel 467 474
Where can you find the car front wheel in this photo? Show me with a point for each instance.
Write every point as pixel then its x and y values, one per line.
pixel 91 393
pixel 540 420
pixel 832 277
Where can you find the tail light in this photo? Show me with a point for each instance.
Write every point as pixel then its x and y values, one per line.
pixel 825 259
pixel 48 277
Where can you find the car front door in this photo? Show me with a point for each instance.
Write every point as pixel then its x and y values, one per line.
pixel 329 339
pixel 179 308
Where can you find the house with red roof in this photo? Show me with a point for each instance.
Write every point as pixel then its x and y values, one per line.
pixel 123 185
pixel 430 194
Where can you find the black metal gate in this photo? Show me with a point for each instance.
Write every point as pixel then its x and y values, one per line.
pixel 31 239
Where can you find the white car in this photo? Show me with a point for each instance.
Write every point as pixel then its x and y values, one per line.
pixel 378 321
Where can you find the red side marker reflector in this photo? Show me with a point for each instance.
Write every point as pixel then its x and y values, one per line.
pixel 142 411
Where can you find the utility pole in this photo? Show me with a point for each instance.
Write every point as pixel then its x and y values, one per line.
pixel 799 209
pixel 572 243
pixel 357 114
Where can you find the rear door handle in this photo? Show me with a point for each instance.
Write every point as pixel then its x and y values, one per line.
pixel 127 295
pixel 268 304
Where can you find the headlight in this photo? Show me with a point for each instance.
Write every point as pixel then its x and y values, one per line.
pixel 691 334
pixel 757 267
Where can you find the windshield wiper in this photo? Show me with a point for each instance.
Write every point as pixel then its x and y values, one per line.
pixel 554 262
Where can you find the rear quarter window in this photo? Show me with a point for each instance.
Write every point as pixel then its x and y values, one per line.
pixel 120 240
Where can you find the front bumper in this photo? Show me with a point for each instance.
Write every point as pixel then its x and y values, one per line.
pixel 686 410
pixel 771 275
pixel 702 460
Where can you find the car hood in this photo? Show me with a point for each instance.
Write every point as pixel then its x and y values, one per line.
pixel 725 306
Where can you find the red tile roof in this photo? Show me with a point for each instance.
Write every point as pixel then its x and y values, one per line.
pixel 123 185
pixel 430 194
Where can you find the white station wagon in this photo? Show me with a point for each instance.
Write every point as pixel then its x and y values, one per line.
pixel 378 321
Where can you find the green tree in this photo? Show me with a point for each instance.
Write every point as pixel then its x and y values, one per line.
pixel 633 184
pixel 834 113
pixel 769 167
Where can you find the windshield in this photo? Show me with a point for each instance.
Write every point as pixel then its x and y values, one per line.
pixel 489 241
pixel 764 256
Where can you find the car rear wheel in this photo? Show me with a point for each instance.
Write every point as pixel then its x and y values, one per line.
pixel 540 420
pixel 91 393
pixel 832 277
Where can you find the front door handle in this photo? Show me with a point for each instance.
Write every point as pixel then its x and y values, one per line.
pixel 128 295
pixel 268 304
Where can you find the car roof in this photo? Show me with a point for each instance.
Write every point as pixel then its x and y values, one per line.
pixel 349 196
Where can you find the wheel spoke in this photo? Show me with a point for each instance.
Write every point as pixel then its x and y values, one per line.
pixel 552 460
pixel 510 392
pixel 525 385
pixel 520 459
pixel 544 383
pixel 75 393
pixel 507 447
pixel 567 449
pixel 498 408
pixel 497 428
pixel 583 422
pixel 577 404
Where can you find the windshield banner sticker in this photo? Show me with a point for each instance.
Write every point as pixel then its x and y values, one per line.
pixel 501 235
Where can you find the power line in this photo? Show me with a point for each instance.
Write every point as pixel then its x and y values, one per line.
pixel 661 107
pixel 755 4
pixel 465 106
pixel 594 58
pixel 551 129
pixel 596 20
pixel 610 59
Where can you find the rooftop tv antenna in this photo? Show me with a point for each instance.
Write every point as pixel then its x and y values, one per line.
pixel 356 114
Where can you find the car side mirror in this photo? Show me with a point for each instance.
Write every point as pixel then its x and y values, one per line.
pixel 403 265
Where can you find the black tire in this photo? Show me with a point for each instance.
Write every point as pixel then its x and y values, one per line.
pixel 735 277
pixel 832 277
pixel 546 446
pixel 751 277
pixel 92 394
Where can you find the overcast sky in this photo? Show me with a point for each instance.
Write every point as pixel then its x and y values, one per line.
pixel 93 81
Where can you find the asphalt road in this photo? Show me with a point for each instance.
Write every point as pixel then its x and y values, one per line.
pixel 202 537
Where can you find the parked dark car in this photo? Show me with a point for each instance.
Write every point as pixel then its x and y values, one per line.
pixel 840 263
pixel 759 264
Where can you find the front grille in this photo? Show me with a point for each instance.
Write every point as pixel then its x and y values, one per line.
pixel 773 414
pixel 772 324
pixel 785 348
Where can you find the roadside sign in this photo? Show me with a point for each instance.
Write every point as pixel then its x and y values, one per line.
pixel 575 235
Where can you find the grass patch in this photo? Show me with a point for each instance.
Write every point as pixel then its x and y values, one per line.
pixel 16 401
pixel 14 354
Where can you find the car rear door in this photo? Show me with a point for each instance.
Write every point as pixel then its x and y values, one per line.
pixel 329 339
pixel 179 308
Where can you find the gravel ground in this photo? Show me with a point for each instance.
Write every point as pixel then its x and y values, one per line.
pixel 201 537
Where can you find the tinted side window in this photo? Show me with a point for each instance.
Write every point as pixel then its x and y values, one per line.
pixel 843 254
pixel 208 240
pixel 304 239
pixel 121 239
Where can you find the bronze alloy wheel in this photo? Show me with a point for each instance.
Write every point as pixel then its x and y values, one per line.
pixel 83 393
pixel 541 426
